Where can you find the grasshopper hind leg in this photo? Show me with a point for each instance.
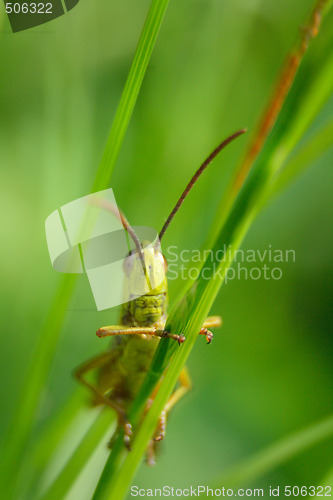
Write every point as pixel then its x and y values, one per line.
pixel 127 428
pixel 185 386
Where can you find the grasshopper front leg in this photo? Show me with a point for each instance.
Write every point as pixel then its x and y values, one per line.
pixel 211 322
pixel 112 330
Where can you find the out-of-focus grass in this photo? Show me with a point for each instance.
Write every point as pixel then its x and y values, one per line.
pixel 270 458
pixel 212 71
pixel 22 423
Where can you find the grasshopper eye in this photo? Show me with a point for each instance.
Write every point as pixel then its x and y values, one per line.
pixel 128 264
pixel 165 264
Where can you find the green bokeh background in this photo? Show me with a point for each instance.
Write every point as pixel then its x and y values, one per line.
pixel 269 371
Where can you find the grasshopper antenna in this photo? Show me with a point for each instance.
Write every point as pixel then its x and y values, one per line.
pixel 196 177
pixel 120 215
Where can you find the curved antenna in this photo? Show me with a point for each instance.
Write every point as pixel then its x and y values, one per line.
pixel 196 177
pixel 120 216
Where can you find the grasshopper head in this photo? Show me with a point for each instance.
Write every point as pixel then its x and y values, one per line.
pixel 148 281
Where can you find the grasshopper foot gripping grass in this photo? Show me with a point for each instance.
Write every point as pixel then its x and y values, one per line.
pixel 120 370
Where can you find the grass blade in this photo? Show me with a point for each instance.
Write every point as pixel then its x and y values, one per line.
pixel 191 313
pixel 47 441
pixel 316 145
pixel 80 457
pixel 47 340
pixel 328 480
pixel 276 454
pixel 130 93
pixel 267 121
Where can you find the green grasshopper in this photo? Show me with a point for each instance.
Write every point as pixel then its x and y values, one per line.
pixel 121 370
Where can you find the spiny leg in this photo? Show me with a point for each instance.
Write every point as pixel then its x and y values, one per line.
pixel 211 322
pixel 185 386
pixel 92 364
pixel 127 428
pixel 112 330
pixel 150 453
pixel 161 426
pixel 161 423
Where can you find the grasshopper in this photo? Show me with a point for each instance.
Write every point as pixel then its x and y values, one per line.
pixel 121 369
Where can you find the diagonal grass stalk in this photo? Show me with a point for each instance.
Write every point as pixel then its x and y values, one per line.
pixel 285 81
pixel 115 484
pixel 289 128
pixel 316 145
pixel 276 454
pixel 68 475
pixel 328 480
pixel 45 444
pixel 132 87
pixel 121 467
pixel 47 339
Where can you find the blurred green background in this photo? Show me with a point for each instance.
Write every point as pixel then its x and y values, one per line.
pixel 269 371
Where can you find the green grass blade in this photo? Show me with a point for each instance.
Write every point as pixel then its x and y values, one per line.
pixel 68 475
pixel 46 442
pixel 48 337
pixel 120 466
pixel 312 88
pixel 276 454
pixel 295 101
pixel 115 482
pixel 190 315
pixel 23 420
pixel 313 99
pixel 130 93
pixel 304 157
pixel 328 480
